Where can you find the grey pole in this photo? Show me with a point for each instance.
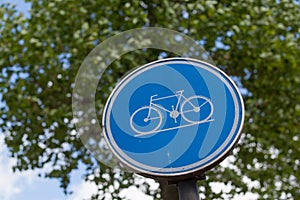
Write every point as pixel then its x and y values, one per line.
pixel 188 190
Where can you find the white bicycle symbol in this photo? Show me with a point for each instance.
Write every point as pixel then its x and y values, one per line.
pixel 150 117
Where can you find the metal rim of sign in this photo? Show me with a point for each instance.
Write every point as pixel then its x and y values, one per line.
pixel 193 168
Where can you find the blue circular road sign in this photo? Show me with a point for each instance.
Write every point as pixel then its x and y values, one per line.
pixel 173 117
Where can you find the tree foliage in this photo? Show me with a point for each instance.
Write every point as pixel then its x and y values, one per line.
pixel 255 42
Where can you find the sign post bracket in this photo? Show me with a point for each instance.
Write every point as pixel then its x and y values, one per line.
pixel 188 189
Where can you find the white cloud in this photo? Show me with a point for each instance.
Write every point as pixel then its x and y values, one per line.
pixel 8 186
pixel 133 193
pixel 11 183
pixel 83 190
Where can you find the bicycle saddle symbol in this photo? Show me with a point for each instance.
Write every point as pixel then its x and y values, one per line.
pixel 194 110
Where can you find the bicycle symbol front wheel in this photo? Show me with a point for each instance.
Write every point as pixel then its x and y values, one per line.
pixel 146 120
pixel 196 109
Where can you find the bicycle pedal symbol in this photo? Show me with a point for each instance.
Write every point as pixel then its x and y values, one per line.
pixel 194 110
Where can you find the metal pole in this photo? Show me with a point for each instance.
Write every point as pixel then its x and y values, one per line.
pixel 169 191
pixel 188 190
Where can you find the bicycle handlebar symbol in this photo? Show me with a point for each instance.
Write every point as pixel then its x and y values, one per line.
pixel 194 110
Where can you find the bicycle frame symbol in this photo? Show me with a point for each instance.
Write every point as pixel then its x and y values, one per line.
pixel 194 110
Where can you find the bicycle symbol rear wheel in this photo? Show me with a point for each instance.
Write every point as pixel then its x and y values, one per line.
pixel 146 120
pixel 196 109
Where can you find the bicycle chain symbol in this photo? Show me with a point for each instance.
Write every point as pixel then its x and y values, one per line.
pixel 150 117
